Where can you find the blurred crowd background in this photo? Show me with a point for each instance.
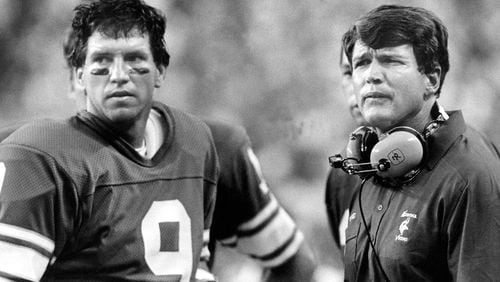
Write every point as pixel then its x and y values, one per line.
pixel 269 65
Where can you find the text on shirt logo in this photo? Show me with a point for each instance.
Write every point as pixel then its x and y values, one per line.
pixel 404 225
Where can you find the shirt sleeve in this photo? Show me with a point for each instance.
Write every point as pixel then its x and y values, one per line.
pixel 473 230
pixel 34 211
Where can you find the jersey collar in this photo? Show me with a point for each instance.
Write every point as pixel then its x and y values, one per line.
pixel 443 138
pixel 124 147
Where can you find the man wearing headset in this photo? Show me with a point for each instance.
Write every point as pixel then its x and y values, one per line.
pixel 437 221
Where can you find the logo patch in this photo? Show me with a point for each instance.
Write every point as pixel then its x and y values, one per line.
pixel 396 156
pixel 404 225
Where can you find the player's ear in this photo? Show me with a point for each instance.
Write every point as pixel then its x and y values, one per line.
pixel 160 75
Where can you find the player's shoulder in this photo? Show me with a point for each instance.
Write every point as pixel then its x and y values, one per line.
pixel 186 126
pixel 7 130
pixel 36 131
pixel 227 136
pixel 51 136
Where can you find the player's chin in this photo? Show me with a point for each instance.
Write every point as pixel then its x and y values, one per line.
pixel 124 114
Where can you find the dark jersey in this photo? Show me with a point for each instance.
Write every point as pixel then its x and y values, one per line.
pixel 247 215
pixel 78 203
pixel 341 190
pixel 444 226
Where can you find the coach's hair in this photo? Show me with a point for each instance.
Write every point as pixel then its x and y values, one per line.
pixel 115 19
pixel 394 25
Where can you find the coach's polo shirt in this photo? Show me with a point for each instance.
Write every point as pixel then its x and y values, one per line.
pixel 444 226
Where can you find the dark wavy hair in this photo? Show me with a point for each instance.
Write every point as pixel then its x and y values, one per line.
pixel 394 25
pixel 115 19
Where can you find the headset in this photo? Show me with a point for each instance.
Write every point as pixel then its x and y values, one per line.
pixel 396 157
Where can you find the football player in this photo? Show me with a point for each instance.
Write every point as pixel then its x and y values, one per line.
pixel 247 215
pixel 122 191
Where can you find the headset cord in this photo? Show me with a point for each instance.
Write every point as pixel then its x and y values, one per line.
pixel 368 231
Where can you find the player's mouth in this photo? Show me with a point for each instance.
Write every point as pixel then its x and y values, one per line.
pixel 120 94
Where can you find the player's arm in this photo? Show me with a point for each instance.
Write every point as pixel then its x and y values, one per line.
pixel 28 214
pixel 300 267
pixel 269 235
pixel 203 273
pixel 332 212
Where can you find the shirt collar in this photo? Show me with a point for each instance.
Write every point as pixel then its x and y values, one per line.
pixel 443 138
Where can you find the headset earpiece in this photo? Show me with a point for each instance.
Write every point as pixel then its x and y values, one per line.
pixel 360 144
pixel 404 148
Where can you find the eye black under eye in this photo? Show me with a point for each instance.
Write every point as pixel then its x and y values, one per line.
pixel 100 71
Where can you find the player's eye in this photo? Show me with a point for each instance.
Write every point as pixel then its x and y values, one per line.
pixel 135 58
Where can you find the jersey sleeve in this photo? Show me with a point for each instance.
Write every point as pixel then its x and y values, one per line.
pixel 333 211
pixel 33 212
pixel 247 215
pixel 210 187
pixel 341 190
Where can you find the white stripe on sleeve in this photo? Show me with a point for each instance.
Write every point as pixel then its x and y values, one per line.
pixel 23 262
pixel 27 235
pixel 271 237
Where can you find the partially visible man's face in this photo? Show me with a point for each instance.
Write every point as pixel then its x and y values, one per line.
pixel 389 87
pixel 347 89
pixel 119 76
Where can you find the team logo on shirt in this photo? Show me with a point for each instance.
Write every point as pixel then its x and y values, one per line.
pixel 404 225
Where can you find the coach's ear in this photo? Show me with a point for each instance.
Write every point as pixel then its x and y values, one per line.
pixel 433 81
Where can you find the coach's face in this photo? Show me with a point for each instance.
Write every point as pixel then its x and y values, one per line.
pixel 390 89
pixel 119 76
